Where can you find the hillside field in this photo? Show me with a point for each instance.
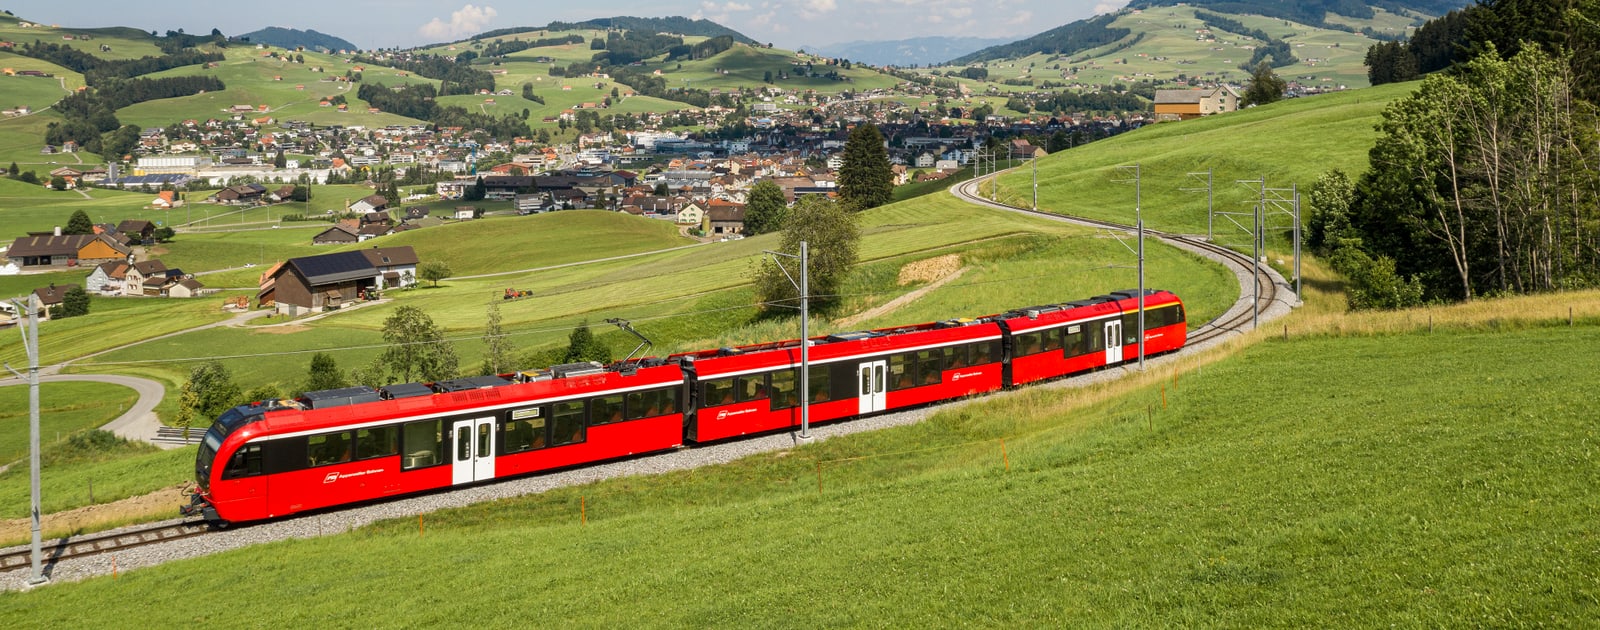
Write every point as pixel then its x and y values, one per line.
pixel 1255 496
pixel 1289 143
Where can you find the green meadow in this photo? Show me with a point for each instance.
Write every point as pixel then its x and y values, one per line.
pixel 746 66
pixel 1271 142
pixel 1324 479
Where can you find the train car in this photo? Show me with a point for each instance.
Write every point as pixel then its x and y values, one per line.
pixel 1055 340
pixel 276 458
pixel 330 448
pixel 755 389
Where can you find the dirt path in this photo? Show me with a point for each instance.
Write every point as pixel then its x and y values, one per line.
pixel 898 302
pixel 154 506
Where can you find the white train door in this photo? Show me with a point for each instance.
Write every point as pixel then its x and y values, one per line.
pixel 874 393
pixel 1114 341
pixel 473 450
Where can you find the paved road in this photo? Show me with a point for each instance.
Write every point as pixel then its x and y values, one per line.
pixel 138 422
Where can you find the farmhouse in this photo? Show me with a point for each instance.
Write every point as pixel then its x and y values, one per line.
pixel 69 249
pixel 1186 104
pixel 314 283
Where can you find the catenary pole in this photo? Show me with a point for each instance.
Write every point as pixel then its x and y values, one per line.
pixel 30 341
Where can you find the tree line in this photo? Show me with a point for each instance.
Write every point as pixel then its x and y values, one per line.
pixel 96 70
pixel 1486 179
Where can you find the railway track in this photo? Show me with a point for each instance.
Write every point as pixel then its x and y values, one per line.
pixel 55 551
pixel 1236 320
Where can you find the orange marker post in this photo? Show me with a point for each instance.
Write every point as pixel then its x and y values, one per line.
pixel 1004 456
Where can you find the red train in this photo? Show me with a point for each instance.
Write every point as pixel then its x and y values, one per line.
pixel 335 447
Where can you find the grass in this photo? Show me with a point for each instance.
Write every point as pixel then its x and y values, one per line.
pixel 129 469
pixel 746 66
pixel 1251 144
pixel 497 244
pixel 1258 496
pixel 113 322
pixel 65 408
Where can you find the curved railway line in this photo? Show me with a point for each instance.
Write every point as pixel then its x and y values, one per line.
pixel 1268 287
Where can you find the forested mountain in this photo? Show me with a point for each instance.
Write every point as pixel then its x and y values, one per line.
pixel 1062 40
pixel 1096 31
pixel 676 24
pixel 291 38
pixel 1311 12
pixel 918 51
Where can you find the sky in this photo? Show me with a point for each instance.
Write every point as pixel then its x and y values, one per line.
pixel 370 24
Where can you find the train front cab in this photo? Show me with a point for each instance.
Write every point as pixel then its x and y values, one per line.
pixel 229 485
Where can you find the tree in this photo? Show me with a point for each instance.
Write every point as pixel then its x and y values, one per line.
pixel 209 391
pixel 766 209
pixel 268 391
pixel 80 223
pixel 58 182
pixel 1265 86
pixel 417 347
pixel 301 194
pixel 767 77
pixel 163 234
pixel 433 271
pixel 13 170
pixel 497 347
pixel 279 160
pixel 865 179
pixel 74 302
pixel 324 374
pixel 1390 62
pixel 831 237
pixel 1330 200
pixel 583 346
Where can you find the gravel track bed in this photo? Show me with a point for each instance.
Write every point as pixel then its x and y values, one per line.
pixel 342 520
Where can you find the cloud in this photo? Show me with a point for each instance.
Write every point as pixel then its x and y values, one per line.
pixel 1107 7
pixel 817 8
pixel 469 20
pixel 1022 17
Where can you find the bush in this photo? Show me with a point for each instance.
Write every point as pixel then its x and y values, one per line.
pixel 1373 283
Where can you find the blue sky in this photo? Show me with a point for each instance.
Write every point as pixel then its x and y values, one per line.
pixel 385 23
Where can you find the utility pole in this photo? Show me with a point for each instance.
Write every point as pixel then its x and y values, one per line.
pixel 1210 210
pixel 804 286
pixel 1138 222
pixel 1035 162
pixel 30 340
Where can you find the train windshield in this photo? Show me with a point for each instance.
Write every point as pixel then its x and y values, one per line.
pixel 230 420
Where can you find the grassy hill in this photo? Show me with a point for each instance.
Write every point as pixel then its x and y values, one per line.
pixel 1290 142
pixel 1289 484
pixel 746 66
pixel 1167 45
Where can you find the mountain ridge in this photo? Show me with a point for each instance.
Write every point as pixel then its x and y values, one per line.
pixel 292 37
pixel 914 51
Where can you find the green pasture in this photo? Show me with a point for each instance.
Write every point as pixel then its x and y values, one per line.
pixel 22 137
pixel 28 208
pixel 1328 58
pixel 1297 483
pixel 113 322
pixel 125 43
pixel 1289 143
pixel 291 91
pixel 132 470
pixel 65 407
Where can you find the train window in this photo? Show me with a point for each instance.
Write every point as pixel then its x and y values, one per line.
pixel 285 455
pixel 717 392
pixel 1028 343
pixel 752 387
pixel 423 444
pixel 783 390
pixel 328 448
pixel 820 384
pixel 463 444
pixel 246 462
pixel 1164 316
pixel 956 357
pixel 902 372
pixel 985 352
pixel 605 409
pixel 566 423
pixel 643 405
pixel 1130 327
pixel 1094 340
pixel 1073 340
pixel 377 442
pixel 524 431
pixel 1052 340
pixel 669 400
pixel 930 364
